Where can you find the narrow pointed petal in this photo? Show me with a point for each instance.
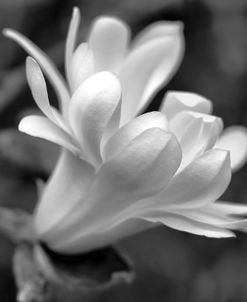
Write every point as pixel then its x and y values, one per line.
pixel 157 30
pixel 176 101
pixel 218 214
pixel 91 109
pixel 143 168
pixel 196 133
pixel 47 65
pixel 230 209
pixel 108 39
pixel 131 130
pixel 186 224
pixel 39 126
pixel 200 183
pixel 38 88
pixel 147 69
pixel 71 39
pixel 81 66
pixel 68 184
pixel 234 139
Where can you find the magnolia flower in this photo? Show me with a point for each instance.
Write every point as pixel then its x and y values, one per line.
pixel 119 174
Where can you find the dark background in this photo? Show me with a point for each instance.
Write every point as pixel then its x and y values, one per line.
pixel 171 266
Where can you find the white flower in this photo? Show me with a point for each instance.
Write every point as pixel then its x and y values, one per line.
pixel 117 174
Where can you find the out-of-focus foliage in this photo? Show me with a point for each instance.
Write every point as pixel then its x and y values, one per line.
pixel 170 266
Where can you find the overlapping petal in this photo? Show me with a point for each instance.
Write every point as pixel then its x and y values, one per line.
pixel 201 182
pixel 146 69
pixel 186 224
pixel 196 133
pixel 81 66
pixel 176 101
pixel 141 169
pixel 69 183
pixel 47 65
pixel 38 88
pixel 91 110
pixel 128 132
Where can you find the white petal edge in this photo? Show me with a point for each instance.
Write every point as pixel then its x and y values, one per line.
pixel 39 126
pixel 71 39
pixel 234 139
pixel 156 30
pixel 186 224
pixel 176 101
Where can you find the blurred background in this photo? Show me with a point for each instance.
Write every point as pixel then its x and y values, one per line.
pixel 171 266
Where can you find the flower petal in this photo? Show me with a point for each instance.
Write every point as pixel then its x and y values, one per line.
pixel 49 68
pixel 81 66
pixel 157 30
pixel 91 109
pixel 196 133
pixel 71 39
pixel 186 224
pixel 38 88
pixel 131 130
pixel 176 101
pixel 40 126
pixel 234 139
pixel 146 69
pixel 201 182
pixel 68 184
pixel 144 167
pixel 108 39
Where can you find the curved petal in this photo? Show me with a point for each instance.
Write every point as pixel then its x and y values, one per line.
pixel 38 88
pixel 81 66
pixel 49 68
pixel 176 101
pixel 71 39
pixel 186 224
pixel 108 39
pixel 230 209
pixel 143 168
pixel 196 133
pixel 157 30
pixel 146 69
pixel 131 130
pixel 40 126
pixel 216 214
pixel 101 235
pixel 234 139
pixel 91 109
pixel 68 184
pixel 200 183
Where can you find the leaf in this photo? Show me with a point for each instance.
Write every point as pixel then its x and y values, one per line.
pixel 98 268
